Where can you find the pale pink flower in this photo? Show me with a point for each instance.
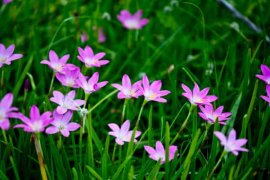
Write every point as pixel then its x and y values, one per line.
pixel 84 37
pixel 122 134
pixel 267 98
pixel 159 153
pixel 69 76
pixel 66 102
pixel 265 74
pixel 130 21
pixel 101 36
pixel 7 1
pixel 6 55
pixel 6 111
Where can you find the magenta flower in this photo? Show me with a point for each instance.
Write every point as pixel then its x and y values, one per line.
pixel 209 114
pixel 66 102
pixel 101 36
pixel 36 123
pixel 265 74
pixel 6 55
pixel 7 1
pixel 55 63
pixel 88 57
pixel 231 144
pixel 61 123
pixel 158 153
pixel 197 97
pixel 91 85
pixel 69 76
pixel 127 90
pixel 267 98
pixel 122 134
pixel 152 92
pixel 84 37
pixel 6 111
pixel 130 21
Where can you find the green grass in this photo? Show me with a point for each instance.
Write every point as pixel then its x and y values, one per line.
pixel 192 42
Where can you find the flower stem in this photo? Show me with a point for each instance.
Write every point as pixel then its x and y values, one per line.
pixel 59 142
pixel 124 110
pixel 113 155
pixel 53 77
pixel 2 78
pixel 84 116
pixel 219 161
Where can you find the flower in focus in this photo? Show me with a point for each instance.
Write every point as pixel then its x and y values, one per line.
pixel 6 55
pixel 36 123
pixel 152 92
pixel 90 85
pixel 209 114
pixel 127 90
pixel 130 21
pixel 6 111
pixel 69 76
pixel 267 98
pixel 55 63
pixel 66 102
pixel 231 144
pixel 158 153
pixel 197 97
pixel 84 37
pixel 265 74
pixel 122 134
pixel 61 123
pixel 88 57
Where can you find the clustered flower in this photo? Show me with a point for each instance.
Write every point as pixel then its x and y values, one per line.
pixel 266 78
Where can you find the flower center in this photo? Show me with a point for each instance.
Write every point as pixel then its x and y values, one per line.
pixel 61 127
pixel 2 59
pixel 132 24
pixel 2 115
pixel 36 126
pixel 90 61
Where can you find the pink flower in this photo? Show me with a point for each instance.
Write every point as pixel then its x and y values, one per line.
pixel 7 1
pixel 66 102
pixel 36 123
pixel 231 144
pixel 91 85
pixel 209 114
pixel 152 92
pixel 159 152
pixel 101 36
pixel 55 63
pixel 265 74
pixel 61 123
pixel 130 21
pixel 267 98
pixel 6 55
pixel 84 37
pixel 88 57
pixel 6 111
pixel 197 97
pixel 69 76
pixel 122 134
pixel 127 90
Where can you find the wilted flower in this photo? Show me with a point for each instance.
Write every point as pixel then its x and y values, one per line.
pixel 36 123
pixel 152 92
pixel 197 97
pixel 6 111
pixel 159 153
pixel 127 90
pixel 122 134
pixel 88 57
pixel 209 114
pixel 61 123
pixel 265 74
pixel 267 98
pixel 66 102
pixel 130 21
pixel 69 76
pixel 231 144
pixel 6 55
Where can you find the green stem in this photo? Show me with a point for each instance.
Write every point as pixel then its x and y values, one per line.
pixel 124 110
pixel 59 143
pixel 219 161
pixel 53 77
pixel 114 149
pixel 2 78
pixel 84 115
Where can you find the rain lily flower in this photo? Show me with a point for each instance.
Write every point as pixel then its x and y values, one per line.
pixel 66 102
pixel 6 111
pixel 7 1
pixel 37 121
pixel 101 36
pixel 84 37
pixel 158 153
pixel 61 123
pixel 152 92
pixel 90 85
pixel 69 76
pixel 197 97
pixel 209 114
pixel 88 57
pixel 267 98
pixel 127 90
pixel 6 55
pixel 122 134
pixel 130 21
pixel 231 144
pixel 265 74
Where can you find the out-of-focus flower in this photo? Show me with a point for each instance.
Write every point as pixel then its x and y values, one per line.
pixel 6 111
pixel 66 102
pixel 210 115
pixel 106 16
pixel 159 153
pixel 267 98
pixel 231 144
pixel 88 57
pixel 101 36
pixel 36 123
pixel 69 76
pixel 7 1
pixel 122 134
pixel 130 21
pixel 197 97
pixel 6 55
pixel 84 37
pixel 152 92
pixel 61 123
pixel 127 90
pixel 265 74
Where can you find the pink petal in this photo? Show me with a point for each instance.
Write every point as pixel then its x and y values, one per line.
pixel 114 127
pixel 232 135
pixel 160 148
pixel 126 81
pixel 51 130
pixel 53 56
pixel 221 137
pixel 125 126
pixel 150 150
pixel 99 55
pixel 119 141
pixel 61 110
pixel 65 132
pixel 34 113
pixel 73 126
